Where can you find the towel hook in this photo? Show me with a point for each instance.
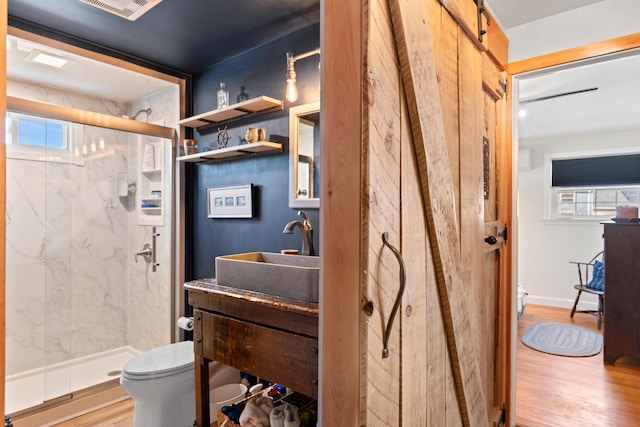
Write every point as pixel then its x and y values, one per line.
pixel 396 305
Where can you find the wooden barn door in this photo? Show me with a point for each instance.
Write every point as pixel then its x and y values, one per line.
pixel 432 186
pixel 496 158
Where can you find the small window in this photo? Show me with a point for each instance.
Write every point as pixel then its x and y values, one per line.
pixel 593 202
pixel 36 132
pixel 27 131
pixel 30 137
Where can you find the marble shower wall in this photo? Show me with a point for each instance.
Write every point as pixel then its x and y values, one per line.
pixel 73 288
pixel 149 316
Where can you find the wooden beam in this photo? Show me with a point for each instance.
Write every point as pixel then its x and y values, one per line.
pixel 498 44
pixel 341 35
pixel 413 39
pixel 592 50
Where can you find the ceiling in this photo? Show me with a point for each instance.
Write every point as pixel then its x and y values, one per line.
pixel 191 35
pixel 511 13
pixel 184 35
pixel 79 75
pixel 612 107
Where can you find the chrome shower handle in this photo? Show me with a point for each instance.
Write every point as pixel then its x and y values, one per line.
pixel 145 253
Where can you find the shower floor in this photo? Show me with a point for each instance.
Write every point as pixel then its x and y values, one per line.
pixel 27 389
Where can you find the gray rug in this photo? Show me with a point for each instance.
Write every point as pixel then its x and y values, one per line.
pixel 562 339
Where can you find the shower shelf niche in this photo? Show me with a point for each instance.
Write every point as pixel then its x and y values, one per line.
pixel 152 210
pixel 150 181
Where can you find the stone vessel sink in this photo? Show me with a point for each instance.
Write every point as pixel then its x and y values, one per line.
pixel 290 276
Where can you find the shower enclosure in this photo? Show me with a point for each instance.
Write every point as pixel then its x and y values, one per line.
pixel 79 207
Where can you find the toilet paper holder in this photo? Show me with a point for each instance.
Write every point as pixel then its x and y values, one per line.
pixel 185 323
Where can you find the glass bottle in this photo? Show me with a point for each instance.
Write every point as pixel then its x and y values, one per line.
pixel 223 96
pixel 243 96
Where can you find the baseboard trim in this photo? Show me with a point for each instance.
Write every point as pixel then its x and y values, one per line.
pixel 561 302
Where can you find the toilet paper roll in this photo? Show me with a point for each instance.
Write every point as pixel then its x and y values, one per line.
pixel 185 323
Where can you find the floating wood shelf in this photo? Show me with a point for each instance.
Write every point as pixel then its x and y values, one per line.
pixel 262 147
pixel 261 104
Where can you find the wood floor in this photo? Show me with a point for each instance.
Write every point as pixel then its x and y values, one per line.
pixel 556 391
pixel 552 391
pixel 119 414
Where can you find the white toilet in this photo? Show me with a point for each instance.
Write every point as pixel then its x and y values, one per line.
pixel 161 383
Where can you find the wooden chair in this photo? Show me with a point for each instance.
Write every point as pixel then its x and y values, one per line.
pixel 585 272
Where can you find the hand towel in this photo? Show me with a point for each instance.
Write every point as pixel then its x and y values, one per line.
pixel 276 417
pixel 256 412
pixel 285 415
pixel 291 416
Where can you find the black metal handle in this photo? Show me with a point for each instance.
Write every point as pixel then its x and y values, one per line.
pixel 387 332
pixel 492 240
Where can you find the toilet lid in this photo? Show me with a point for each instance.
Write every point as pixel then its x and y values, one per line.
pixel 162 360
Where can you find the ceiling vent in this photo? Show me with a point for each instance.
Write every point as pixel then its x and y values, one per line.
pixel 128 9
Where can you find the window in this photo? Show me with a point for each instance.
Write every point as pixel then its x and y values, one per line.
pixel 594 202
pixel 592 186
pixel 31 137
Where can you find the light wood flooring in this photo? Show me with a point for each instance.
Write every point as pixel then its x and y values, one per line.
pixel 556 391
pixel 552 391
pixel 119 414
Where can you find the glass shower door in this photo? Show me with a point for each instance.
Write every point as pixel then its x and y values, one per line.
pixel 78 304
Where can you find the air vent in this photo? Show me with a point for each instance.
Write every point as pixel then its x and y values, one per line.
pixel 128 9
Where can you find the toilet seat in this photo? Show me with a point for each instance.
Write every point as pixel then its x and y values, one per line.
pixel 160 362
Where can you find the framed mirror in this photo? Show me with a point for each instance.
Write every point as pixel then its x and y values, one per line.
pixel 304 156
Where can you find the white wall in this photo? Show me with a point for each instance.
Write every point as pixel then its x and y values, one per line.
pixel 589 24
pixel 546 247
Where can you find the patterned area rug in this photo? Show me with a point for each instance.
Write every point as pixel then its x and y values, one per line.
pixel 562 339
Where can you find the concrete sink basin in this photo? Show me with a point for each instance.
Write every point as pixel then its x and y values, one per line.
pixel 290 276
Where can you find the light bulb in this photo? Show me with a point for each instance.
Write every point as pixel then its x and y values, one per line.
pixel 101 143
pixel 84 148
pixel 522 113
pixel 93 146
pixel 77 152
pixel 291 92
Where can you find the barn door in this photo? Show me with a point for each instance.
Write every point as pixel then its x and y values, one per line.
pixel 494 315
pixel 481 103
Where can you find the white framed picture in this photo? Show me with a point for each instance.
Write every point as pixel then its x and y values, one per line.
pixel 230 202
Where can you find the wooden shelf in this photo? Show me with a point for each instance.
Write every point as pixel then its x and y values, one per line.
pixel 261 104
pixel 262 147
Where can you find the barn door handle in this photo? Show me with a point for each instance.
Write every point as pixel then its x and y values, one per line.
pixel 387 332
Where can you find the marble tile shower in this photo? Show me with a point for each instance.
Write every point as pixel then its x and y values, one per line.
pixel 73 288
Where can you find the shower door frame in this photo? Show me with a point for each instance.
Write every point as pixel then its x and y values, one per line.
pixel 110 390
pixel 94 398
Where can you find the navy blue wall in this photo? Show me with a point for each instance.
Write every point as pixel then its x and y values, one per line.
pixel 262 72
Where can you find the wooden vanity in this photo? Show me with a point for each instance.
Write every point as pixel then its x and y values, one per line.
pixel 273 338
